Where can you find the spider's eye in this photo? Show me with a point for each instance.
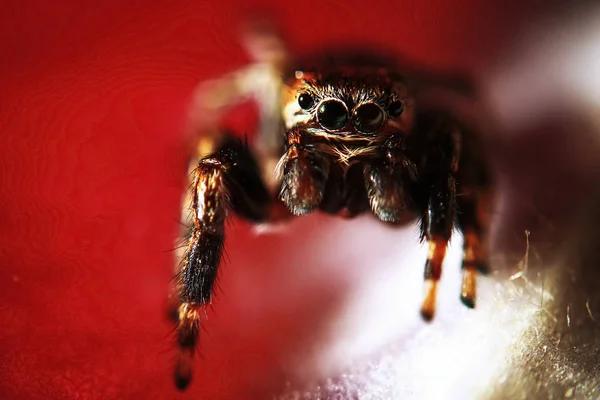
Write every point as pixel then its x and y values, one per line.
pixel 368 118
pixel 332 114
pixel 396 109
pixel 305 101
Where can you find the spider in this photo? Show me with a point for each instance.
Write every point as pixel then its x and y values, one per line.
pixel 356 138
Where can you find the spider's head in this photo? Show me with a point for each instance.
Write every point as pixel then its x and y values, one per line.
pixel 348 103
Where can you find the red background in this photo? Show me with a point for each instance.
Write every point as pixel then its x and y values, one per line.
pixel 91 110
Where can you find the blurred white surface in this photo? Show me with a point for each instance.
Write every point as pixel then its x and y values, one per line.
pixel 380 342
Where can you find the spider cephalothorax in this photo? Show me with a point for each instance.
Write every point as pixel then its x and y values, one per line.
pixel 355 139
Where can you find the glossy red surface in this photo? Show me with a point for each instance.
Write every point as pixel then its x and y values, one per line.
pixel 92 104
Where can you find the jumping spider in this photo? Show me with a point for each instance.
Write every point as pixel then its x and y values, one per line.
pixel 356 138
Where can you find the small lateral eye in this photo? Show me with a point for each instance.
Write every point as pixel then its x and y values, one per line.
pixel 396 109
pixel 305 101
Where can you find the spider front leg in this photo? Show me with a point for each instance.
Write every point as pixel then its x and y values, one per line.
pixel 387 181
pixel 201 258
pixel 475 253
pixel 305 174
pixel 439 213
pixel 227 180
pixel 437 225
pixel 474 217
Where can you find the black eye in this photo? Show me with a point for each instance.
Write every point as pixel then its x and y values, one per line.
pixel 332 114
pixel 368 118
pixel 396 109
pixel 305 101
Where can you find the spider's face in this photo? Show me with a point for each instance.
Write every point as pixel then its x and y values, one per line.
pixel 348 105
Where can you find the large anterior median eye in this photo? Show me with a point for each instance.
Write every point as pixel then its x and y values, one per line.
pixel 332 114
pixel 368 118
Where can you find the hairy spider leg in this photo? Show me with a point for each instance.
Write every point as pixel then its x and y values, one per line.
pixel 305 174
pixel 475 255
pixel 442 144
pixel 388 182
pixel 227 180
pixel 437 223
pixel 474 217
pixel 385 190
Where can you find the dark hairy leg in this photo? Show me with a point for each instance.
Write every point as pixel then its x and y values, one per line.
pixel 474 215
pixel 437 224
pixel 475 254
pixel 385 191
pixel 305 174
pixel 229 179
pixel 438 186
pixel 388 182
